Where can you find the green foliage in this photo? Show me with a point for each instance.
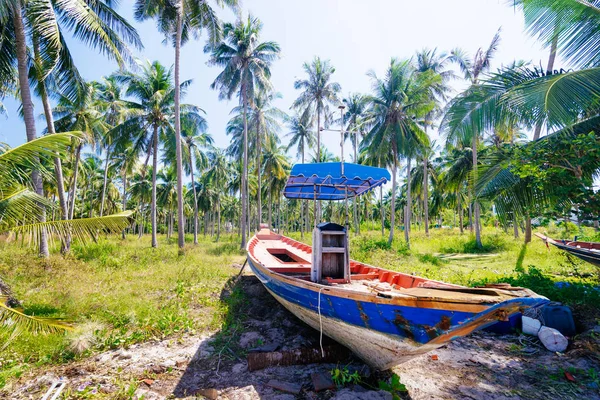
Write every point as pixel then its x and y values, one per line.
pixel 153 294
pixel 342 376
pixel 468 244
pixel 395 387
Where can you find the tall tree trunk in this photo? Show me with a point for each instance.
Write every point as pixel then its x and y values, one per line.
pixel 154 168
pixel 105 181
pixel 460 212
pixel 258 180
pixel 29 118
pixel 270 209
pixel 515 226
pixel 408 209
pixel 317 210
pixel 426 195
pixel 382 211
pixel 393 208
pixel 475 203
pixel 195 197
pixel 73 189
pixel 244 221
pixel 124 197
pixel 180 204
pixel 527 228
pixel 218 219
pixel 58 173
pixel 356 218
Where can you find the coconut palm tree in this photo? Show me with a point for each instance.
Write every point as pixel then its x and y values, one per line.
pixel 196 141
pixel 217 175
pixel 266 120
pixel 246 64
pixel 398 101
pixel 96 23
pixel 303 138
pixel 318 92
pixel 438 63
pixel 472 70
pixel 177 20
pixel 152 113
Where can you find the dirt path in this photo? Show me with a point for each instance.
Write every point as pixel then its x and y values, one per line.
pixel 482 366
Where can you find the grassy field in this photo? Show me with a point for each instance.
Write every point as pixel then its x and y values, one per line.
pixel 123 292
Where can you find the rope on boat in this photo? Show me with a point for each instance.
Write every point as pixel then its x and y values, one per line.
pixel 320 325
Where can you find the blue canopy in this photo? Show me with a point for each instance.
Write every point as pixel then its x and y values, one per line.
pixel 324 181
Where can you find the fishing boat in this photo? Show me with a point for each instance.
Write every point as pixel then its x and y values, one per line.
pixel 587 251
pixel 384 317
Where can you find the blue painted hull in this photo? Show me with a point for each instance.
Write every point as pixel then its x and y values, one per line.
pixel 410 330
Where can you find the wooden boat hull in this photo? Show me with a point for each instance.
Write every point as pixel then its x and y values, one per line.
pixel 384 332
pixel 584 251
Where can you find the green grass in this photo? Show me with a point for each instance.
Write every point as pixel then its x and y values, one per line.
pixel 123 292
pixel 117 293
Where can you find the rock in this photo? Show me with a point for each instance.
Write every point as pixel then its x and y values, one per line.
pixel 321 381
pixel 168 364
pixel 123 355
pixel 552 339
pixel 249 339
pixel 285 386
pixel 239 368
pixel 347 394
pixel 210 394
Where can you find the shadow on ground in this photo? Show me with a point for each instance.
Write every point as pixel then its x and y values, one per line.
pixel 255 319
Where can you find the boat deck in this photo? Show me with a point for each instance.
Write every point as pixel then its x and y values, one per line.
pixel 291 258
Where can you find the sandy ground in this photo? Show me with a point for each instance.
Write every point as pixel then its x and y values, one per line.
pixel 481 366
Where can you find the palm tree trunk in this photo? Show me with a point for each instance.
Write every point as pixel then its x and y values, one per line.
pixel 244 170
pixel 28 117
pixel 426 195
pixel 515 226
pixel 195 198
pixel 154 168
pixel 528 228
pixel 104 183
pixel 460 212
pixel 318 203
pixel 475 203
pixel 382 211
pixel 270 209
pixel 356 219
pixel 408 209
pixel 73 190
pixel 258 180
pixel 393 209
pixel 218 219
pixel 58 173
pixel 124 197
pixel 180 205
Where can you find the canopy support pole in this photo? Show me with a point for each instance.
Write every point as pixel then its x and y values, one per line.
pixel 315 204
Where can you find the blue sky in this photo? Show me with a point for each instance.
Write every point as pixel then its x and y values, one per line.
pixel 356 35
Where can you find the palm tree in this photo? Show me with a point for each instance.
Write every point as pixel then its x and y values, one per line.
pixel 246 66
pixel 265 118
pixel 276 168
pixel 178 20
pixel 217 175
pixel 318 93
pixel 196 140
pixel 431 60
pixel 354 118
pixel 154 90
pixel 472 69
pixel 80 113
pixel 398 100
pixel 304 139
pixel 95 23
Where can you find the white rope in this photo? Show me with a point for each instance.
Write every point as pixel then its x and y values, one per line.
pixel 321 326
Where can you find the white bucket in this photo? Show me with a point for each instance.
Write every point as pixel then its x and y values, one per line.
pixel 553 339
pixel 531 326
